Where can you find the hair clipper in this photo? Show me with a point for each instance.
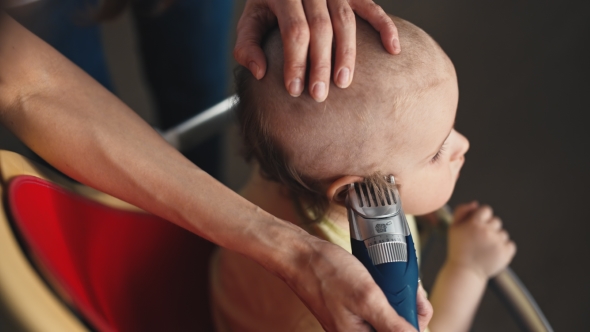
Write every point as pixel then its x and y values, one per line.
pixel 381 240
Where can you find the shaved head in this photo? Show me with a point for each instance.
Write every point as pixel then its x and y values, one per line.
pixel 306 145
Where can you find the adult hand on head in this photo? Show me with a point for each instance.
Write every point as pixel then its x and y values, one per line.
pixel 310 25
pixel 342 295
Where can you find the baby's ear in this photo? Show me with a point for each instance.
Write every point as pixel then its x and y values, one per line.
pixel 336 192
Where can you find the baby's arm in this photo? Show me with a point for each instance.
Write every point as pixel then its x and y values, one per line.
pixel 478 248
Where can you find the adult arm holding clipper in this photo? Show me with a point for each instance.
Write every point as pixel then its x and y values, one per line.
pixel 86 132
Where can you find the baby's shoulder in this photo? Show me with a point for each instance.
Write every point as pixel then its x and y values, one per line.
pixel 250 298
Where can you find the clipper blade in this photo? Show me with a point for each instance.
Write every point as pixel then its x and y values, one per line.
pixel 377 219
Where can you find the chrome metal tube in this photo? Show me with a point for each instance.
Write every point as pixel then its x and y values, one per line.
pixel 197 129
pixel 520 302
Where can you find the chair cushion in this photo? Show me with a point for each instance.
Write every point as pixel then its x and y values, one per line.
pixel 124 271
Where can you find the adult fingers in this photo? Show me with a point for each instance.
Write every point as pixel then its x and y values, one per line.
pixel 320 47
pixel 295 35
pixel 377 17
pixel 344 23
pixel 380 315
pixel 424 308
pixel 255 21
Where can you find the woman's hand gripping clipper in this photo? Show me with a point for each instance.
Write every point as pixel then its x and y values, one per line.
pixel 381 240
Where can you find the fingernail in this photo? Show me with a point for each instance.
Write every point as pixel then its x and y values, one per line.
pixel 295 88
pixel 254 69
pixel 396 46
pixel 343 78
pixel 319 91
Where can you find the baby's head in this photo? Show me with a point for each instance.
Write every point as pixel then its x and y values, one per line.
pixel 396 118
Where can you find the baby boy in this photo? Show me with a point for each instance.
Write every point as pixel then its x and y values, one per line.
pixel 397 117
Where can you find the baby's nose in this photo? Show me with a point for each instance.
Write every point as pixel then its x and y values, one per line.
pixel 462 146
pixel 465 144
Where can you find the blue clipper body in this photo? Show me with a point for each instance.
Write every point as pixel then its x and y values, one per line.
pixel 381 240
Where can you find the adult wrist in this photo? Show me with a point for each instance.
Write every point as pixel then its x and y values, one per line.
pixel 288 249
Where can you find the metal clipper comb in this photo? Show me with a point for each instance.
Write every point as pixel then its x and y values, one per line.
pixel 377 219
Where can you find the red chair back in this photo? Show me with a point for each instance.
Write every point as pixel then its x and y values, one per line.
pixel 123 270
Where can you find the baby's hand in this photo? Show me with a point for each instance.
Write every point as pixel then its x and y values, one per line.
pixel 478 242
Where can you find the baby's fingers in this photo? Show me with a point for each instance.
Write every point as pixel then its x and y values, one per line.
pixel 511 248
pixel 504 236
pixel 495 224
pixel 462 211
pixel 507 254
pixel 508 246
pixel 483 214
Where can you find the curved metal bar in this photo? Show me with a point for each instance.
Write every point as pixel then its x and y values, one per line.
pixel 508 287
pixel 521 303
pixel 197 129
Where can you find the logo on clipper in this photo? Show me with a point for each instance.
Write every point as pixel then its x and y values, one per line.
pixel 380 228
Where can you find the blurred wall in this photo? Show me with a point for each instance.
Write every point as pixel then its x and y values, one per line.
pixel 523 69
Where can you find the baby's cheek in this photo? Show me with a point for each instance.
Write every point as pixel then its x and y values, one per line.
pixel 427 193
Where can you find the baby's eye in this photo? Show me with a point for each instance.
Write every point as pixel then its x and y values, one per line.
pixel 437 156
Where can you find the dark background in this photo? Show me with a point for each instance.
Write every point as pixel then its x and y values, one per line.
pixel 523 69
pixel 523 78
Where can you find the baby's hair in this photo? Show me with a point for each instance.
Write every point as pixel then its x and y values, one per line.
pixel 380 182
pixel 260 146
pixel 272 141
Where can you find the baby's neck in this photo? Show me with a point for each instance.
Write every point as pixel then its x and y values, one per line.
pixel 275 199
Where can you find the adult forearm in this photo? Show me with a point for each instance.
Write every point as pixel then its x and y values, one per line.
pixel 86 132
